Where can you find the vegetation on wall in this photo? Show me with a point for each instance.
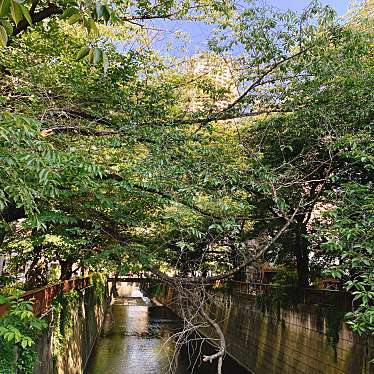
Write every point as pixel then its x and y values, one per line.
pixel 19 329
pixel 64 308
pixel 100 287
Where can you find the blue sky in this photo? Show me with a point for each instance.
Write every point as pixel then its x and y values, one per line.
pixel 199 32
pixel 339 5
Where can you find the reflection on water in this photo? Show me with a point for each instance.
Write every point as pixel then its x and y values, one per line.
pixel 138 339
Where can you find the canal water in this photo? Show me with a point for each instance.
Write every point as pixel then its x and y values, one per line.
pixel 138 339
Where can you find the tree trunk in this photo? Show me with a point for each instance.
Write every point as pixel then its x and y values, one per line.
pixel 239 276
pixel 114 292
pixel 301 251
pixel 34 275
pixel 66 270
pixel 9 214
pixel 2 257
pixel 2 263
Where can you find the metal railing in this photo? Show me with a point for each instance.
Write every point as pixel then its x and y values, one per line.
pixel 250 288
pixel 130 279
pixel 307 296
pixel 42 298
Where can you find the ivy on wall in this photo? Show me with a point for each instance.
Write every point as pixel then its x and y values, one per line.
pixel 282 297
pixel 62 320
pixel 65 306
pixel 99 283
pixel 20 328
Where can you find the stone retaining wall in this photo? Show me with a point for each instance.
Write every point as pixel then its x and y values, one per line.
pixel 87 321
pixel 301 340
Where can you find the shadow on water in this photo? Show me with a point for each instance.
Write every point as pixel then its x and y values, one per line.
pixel 137 340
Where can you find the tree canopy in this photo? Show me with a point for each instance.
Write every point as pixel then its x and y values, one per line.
pixel 105 166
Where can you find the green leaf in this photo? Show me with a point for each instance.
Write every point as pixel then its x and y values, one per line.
pixel 9 336
pixel 90 56
pixel 16 12
pixel 113 17
pixel 106 13
pixel 69 12
pixel 92 28
pixel 24 344
pixel 74 18
pixel 100 9
pixel 7 25
pixel 83 52
pixel 26 14
pixel 97 55
pixel 105 62
pixel 3 37
pixel 4 7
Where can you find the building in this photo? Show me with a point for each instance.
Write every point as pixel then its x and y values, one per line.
pixel 215 79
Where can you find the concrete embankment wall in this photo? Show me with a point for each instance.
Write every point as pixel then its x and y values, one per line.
pixel 301 340
pixel 57 354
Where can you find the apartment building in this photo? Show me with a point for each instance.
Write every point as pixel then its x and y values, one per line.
pixel 216 84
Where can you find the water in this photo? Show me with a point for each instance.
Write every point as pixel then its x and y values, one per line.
pixel 138 340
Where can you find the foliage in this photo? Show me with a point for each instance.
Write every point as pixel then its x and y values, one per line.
pixel 18 330
pixel 279 297
pixel 351 238
pixel 99 22
pixel 285 276
pixel 111 171
pixel 63 308
pixel 99 285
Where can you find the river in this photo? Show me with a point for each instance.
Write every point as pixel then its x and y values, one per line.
pixel 137 339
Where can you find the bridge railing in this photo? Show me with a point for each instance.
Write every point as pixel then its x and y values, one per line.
pixel 130 279
pixel 307 296
pixel 42 297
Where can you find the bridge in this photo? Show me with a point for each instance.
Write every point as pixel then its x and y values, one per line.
pixel 132 279
pixel 42 297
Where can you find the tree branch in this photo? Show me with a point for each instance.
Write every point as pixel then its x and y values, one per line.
pixel 51 10
pixel 261 77
pixel 229 274
pixel 177 200
pixel 80 130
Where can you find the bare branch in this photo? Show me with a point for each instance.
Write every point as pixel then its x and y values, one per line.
pixel 229 274
pixel 260 79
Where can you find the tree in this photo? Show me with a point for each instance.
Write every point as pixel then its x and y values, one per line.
pixel 110 171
